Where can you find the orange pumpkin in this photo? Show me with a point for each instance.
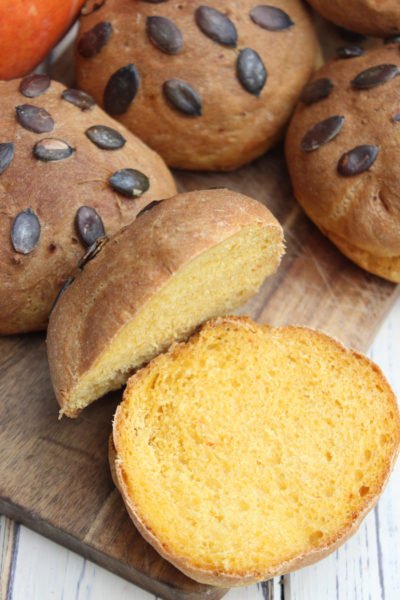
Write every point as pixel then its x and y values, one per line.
pixel 29 29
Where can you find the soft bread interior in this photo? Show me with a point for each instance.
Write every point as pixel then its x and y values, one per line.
pixel 250 447
pixel 216 282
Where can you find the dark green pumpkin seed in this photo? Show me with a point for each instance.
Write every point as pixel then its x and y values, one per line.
pixel 34 85
pixel 34 118
pixel 105 137
pixel 349 51
pixel 396 118
pixel 183 97
pixel 129 182
pixel 89 225
pixel 94 40
pixel 78 98
pixel 358 160
pixel 322 133
pixel 270 18
pixel 92 251
pixel 375 76
pixel 25 231
pixel 215 25
pixel 51 149
pixel 251 71
pixel 164 34
pixel 121 90
pixel 6 155
pixel 316 90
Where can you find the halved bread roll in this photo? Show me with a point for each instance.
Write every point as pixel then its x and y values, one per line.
pixel 251 451
pixel 192 257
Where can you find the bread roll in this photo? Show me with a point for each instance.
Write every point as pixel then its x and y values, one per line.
pixel 369 17
pixel 209 87
pixel 58 191
pixel 252 451
pixel 192 257
pixel 342 149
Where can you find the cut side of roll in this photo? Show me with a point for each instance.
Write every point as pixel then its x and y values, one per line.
pixel 190 258
pixel 251 451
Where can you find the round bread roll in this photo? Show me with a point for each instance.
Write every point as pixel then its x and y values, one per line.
pixel 251 451
pixel 69 174
pixel 369 17
pixel 343 148
pixel 208 86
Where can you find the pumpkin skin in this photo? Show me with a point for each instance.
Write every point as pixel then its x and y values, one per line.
pixel 29 29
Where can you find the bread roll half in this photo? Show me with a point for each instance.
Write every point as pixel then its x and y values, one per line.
pixel 191 257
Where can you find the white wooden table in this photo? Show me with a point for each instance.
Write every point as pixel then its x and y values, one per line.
pixel 366 568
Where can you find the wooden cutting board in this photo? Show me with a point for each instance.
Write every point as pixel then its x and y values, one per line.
pixel 54 475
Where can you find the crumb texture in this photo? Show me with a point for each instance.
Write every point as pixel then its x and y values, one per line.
pixel 251 446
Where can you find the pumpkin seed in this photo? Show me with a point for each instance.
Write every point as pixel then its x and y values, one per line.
pixel 51 149
pixel 375 76
pixel 105 137
pixel 6 155
pixel 349 51
pixel 89 225
pixel 34 118
pixel 121 90
pixel 34 85
pixel 322 133
pixel 271 18
pixel 215 25
pixel 78 98
pixel 251 71
pixel 358 160
pixel 316 90
pixel 92 251
pixel 95 39
pixel 182 96
pixel 25 231
pixel 164 34
pixel 129 182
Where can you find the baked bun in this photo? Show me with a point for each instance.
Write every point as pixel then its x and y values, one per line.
pixel 380 18
pixel 252 451
pixel 343 148
pixel 208 86
pixel 192 257
pixel 59 191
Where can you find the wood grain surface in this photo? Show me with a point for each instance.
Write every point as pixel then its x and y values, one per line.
pixel 54 475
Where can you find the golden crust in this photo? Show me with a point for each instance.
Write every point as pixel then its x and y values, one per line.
pixel 229 579
pixel 132 267
pixel 360 214
pixel 235 126
pixel 369 18
pixel 54 191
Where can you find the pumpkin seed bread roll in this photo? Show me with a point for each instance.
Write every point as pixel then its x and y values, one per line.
pixel 343 148
pixel 68 175
pixel 189 258
pixel 210 86
pixel 251 451
pixel 377 17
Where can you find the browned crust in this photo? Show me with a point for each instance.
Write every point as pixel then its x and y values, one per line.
pixel 369 18
pixel 212 576
pixel 235 126
pixel 133 266
pixel 54 191
pixel 360 214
